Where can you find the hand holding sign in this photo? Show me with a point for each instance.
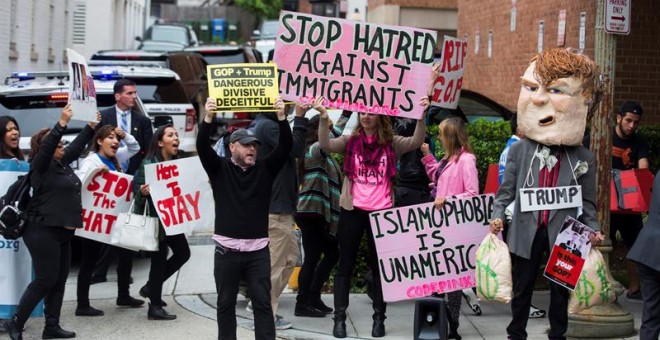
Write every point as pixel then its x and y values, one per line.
pixel 318 105
pixel 439 202
pixel 279 106
pixel 94 123
pixel 210 108
pixel 65 116
pixel 596 238
pixel 425 149
pixel 424 103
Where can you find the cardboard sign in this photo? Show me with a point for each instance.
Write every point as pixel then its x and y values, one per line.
pixel 105 195
pixel 243 87
pixel 15 259
pixel 82 93
pixel 182 195
pixel 423 250
pixel 447 87
pixel 569 253
pixel 552 198
pixel 356 66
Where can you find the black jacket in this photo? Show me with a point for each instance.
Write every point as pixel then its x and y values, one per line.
pixel 56 199
pixel 284 197
pixel 141 129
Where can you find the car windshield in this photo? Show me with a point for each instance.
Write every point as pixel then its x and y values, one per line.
pixel 35 112
pixel 169 33
pixel 226 57
pixel 161 90
pixel 160 46
pixel 268 29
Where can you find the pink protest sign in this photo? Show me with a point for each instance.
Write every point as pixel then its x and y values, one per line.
pixel 447 87
pixel 423 250
pixel 356 66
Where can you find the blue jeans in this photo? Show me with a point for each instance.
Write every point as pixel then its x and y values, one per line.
pixel 254 268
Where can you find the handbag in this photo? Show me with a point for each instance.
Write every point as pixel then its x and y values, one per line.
pixel 12 208
pixel 135 231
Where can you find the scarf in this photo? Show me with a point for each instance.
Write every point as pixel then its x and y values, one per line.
pixel 371 153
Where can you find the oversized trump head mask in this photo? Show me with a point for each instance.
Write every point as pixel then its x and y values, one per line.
pixel 558 91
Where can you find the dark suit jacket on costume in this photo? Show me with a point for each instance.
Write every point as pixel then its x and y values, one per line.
pixel 523 227
pixel 141 129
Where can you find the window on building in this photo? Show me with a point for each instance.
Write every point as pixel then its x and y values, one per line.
pixel 13 54
pixel 79 23
pixel 325 9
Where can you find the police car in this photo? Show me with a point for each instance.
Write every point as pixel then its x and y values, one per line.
pixel 36 100
pixel 163 95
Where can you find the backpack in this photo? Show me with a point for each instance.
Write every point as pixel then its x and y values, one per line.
pixel 12 206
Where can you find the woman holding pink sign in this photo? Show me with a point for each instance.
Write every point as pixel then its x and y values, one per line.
pixel 370 156
pixel 106 155
pixel 454 176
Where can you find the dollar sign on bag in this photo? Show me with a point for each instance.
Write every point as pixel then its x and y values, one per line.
pixel 584 289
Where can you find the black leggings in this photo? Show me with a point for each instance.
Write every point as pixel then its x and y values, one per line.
pixel 316 242
pixel 50 248
pixel 162 267
pixel 91 252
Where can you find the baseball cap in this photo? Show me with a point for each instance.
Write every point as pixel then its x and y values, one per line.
pixel 632 107
pixel 244 137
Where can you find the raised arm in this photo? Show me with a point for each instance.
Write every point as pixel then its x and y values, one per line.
pixel 328 145
pixel 210 160
pixel 130 148
pixel 41 161
pixel 276 158
pixel 405 144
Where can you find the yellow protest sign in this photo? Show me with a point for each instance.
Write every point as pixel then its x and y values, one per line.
pixel 243 87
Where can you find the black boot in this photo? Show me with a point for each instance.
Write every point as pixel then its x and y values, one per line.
pixel 378 328
pixel 342 287
pixel 54 331
pixel 14 329
pixel 158 313
pixel 144 292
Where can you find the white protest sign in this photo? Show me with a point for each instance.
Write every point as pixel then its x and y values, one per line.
pixel 552 198
pixel 15 260
pixel 104 196
pixel 82 93
pixel 181 194
pixel 423 250
pixel 447 87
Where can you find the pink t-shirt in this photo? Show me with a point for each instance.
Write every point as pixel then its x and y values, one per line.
pixel 371 189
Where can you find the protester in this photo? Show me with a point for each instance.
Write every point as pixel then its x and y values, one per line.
pixel 629 151
pixel 647 258
pixel 124 116
pixel 283 200
pixel 516 135
pixel 9 149
pixel 244 184
pixel 317 215
pixel 11 135
pixel 106 155
pixel 454 176
pixel 558 91
pixel 369 168
pixel 164 147
pixel 53 214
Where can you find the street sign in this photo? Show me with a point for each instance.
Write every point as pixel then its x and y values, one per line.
pixel 617 16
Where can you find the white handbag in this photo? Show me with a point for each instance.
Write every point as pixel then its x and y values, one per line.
pixel 134 231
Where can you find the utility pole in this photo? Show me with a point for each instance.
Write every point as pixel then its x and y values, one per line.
pixel 610 320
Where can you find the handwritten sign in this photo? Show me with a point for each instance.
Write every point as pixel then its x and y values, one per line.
pixel 553 198
pixel 569 253
pixel 105 195
pixel 447 87
pixel 423 250
pixel 82 93
pixel 15 259
pixel 182 197
pixel 356 66
pixel 243 87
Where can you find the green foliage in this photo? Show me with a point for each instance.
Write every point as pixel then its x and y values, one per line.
pixel 487 140
pixel 269 9
pixel 651 134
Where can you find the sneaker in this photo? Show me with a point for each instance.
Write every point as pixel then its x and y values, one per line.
pixel 248 308
pixel 535 313
pixel 283 324
pixel 635 297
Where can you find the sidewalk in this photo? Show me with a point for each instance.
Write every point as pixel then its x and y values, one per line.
pixel 190 295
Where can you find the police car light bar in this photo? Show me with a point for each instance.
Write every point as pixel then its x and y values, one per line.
pixel 106 74
pixel 19 76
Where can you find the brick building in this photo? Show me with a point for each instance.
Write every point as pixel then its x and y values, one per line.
pixel 637 73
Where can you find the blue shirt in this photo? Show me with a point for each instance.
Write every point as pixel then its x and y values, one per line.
pixel 502 163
